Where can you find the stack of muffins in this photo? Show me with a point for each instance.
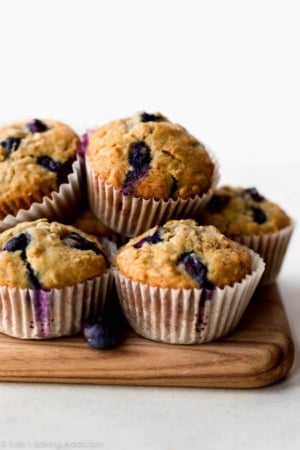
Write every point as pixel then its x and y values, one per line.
pixel 137 202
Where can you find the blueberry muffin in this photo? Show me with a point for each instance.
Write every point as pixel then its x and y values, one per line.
pixel 243 214
pixel 145 169
pixel 36 158
pixel 51 277
pixel 87 222
pixel 185 283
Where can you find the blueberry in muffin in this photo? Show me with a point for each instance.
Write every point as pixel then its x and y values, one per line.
pixel 36 157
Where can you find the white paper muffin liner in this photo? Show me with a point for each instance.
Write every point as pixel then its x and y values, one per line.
pixel 272 248
pixel 58 206
pixel 186 316
pixel 130 216
pixel 39 314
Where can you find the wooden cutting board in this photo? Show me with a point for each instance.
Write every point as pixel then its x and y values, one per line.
pixel 259 353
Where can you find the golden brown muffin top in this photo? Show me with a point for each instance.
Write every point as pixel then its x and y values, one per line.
pixel 182 254
pixel 237 211
pixel 148 156
pixel 87 222
pixel 43 255
pixel 35 158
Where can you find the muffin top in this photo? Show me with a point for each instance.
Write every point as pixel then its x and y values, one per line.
pixel 182 254
pixel 148 156
pixel 35 158
pixel 236 212
pixel 43 255
pixel 87 222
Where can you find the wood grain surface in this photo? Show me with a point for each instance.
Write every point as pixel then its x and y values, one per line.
pixel 260 352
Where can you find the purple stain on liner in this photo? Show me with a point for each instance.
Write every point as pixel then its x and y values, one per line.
pixel 41 302
pixel 206 295
pixel 84 142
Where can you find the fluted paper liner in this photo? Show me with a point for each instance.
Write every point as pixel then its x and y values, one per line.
pixel 186 316
pixel 57 206
pixel 272 248
pixel 130 216
pixel 41 314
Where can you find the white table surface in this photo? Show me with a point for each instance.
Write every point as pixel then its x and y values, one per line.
pixel 113 417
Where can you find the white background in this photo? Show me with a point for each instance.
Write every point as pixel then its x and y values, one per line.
pixel 229 72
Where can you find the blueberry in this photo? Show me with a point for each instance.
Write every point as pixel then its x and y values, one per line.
pixel 99 334
pixel 11 144
pixel 49 163
pixel 105 330
pixel 196 269
pixel 139 155
pixel 21 243
pixel 139 158
pixel 18 243
pixel 255 195
pixel 74 240
pixel 131 180
pixel 217 203
pixel 34 282
pixel 153 239
pixel 62 169
pixel 37 126
pixel 258 215
pixel 145 117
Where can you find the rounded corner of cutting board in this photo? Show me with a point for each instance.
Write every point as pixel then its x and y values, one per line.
pixel 259 353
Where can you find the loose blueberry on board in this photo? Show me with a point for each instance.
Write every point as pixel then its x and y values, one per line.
pixel 255 195
pixel 196 269
pixel 217 203
pixel 152 239
pixel 145 117
pixel 37 126
pixel 258 215
pixel 99 334
pixel 105 331
pixel 11 144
